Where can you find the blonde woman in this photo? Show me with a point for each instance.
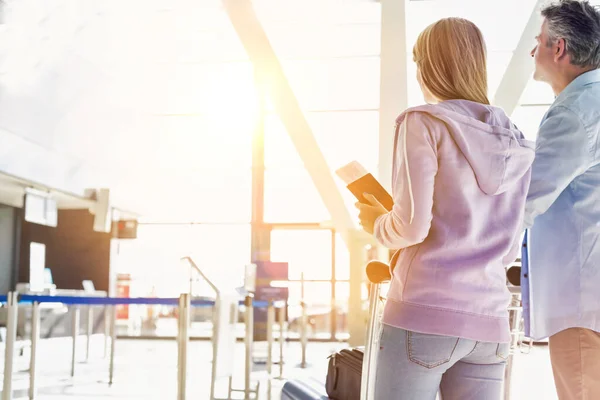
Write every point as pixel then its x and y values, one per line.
pixel 460 178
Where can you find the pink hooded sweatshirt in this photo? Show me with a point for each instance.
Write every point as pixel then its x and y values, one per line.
pixel 460 178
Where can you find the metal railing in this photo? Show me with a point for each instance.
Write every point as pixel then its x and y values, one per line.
pixel 184 303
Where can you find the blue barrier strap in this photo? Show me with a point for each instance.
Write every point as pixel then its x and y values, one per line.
pixel 3 299
pixel 97 300
pixel 105 301
pixel 260 304
pixel 202 303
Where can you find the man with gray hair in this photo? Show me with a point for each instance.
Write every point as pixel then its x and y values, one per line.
pixel 561 280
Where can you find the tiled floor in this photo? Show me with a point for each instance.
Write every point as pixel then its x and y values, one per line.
pixel 148 370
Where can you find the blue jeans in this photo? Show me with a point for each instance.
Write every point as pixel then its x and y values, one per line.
pixel 414 366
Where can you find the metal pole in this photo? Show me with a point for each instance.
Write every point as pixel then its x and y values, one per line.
pixel 215 348
pixel 74 333
pixel 35 337
pixel 281 323
pixel 89 329
pixel 367 386
pixel 183 336
pixel 230 391
pixel 106 329
pixel 249 338
pixel 270 322
pixel 303 323
pixel 113 342
pixel 303 334
pixel 12 302
pixel 515 320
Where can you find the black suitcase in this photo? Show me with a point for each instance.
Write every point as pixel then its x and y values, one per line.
pixel 303 389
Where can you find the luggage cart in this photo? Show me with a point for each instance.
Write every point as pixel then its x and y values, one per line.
pixel 378 273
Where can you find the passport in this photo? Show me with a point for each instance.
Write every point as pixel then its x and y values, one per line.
pixel 358 180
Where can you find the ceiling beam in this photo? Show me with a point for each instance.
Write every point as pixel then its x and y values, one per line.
pixel 266 62
pixel 521 65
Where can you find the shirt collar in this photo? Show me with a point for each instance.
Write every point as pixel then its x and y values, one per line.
pixel 582 80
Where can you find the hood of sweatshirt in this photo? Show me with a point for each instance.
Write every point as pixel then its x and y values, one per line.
pixel 495 148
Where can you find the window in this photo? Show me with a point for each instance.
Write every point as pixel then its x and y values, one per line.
pixel 339 84
pixel 153 259
pixel 199 195
pixel 306 251
pixel 291 196
pixel 528 119
pixel 341 136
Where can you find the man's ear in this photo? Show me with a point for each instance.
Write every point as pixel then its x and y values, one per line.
pixel 560 49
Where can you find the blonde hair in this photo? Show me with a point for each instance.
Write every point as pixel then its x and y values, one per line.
pixel 451 56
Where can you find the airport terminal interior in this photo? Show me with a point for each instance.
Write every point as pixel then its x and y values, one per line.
pixel 171 222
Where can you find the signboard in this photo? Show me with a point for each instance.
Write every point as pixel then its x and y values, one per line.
pixel 126 229
pixel 123 290
pixel 268 272
pixel 37 265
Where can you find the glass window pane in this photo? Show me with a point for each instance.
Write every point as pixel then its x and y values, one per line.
pixel 202 195
pixel 222 250
pixel 528 119
pixel 291 196
pixel 307 251
pixel 496 65
pixel 342 137
pixel 324 41
pixel 338 84
pixel 537 93
pixel 317 12
pixel 318 299
pixel 223 88
pixel 492 24
pixel 153 259
pixel 342 294
pixel 342 259
pixel 193 142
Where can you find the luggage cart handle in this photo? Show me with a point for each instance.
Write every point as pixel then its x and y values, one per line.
pixel 378 272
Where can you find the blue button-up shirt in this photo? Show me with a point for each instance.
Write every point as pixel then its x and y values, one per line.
pixel 561 276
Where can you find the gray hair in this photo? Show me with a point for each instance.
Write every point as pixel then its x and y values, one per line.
pixel 578 23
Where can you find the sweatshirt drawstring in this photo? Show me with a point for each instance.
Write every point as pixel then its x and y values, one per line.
pixel 410 191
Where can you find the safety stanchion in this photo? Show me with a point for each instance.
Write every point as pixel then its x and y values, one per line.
pixel 270 323
pixel 35 337
pixel 215 352
pixel 74 333
pixel 515 312
pixel 367 386
pixel 281 338
pixel 89 330
pixel 303 323
pixel 183 338
pixel 12 303
pixel 110 304
pixel 113 342
pixel 248 345
pixel 106 329
pixel 303 333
